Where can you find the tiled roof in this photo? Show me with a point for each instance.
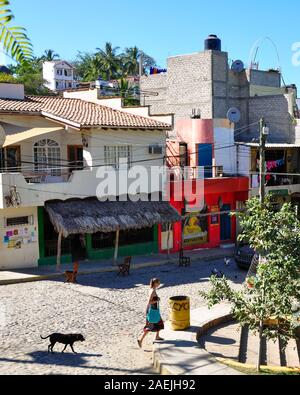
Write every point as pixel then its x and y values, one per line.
pixel 79 113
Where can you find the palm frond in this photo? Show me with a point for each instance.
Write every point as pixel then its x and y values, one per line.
pixel 13 38
pixel 5 14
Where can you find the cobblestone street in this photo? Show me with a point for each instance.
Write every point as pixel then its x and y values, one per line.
pixel 108 310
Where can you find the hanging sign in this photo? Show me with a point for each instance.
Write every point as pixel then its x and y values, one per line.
pixel 215 215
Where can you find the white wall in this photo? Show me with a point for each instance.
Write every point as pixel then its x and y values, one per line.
pixel 11 91
pixel 224 137
pixel 82 183
pixel 244 160
pixel 49 75
pixel 27 256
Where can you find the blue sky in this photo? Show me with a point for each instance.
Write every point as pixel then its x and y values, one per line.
pixel 165 28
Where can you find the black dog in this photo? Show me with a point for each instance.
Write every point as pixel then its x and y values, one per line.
pixel 68 340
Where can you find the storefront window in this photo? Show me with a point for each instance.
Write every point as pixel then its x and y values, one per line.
pixel 131 237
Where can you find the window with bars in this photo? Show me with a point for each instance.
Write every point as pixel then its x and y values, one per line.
pixel 118 156
pixel 10 159
pixel 47 157
pixel 17 221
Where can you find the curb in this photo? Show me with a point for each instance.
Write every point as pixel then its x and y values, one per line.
pixel 52 276
pixel 269 369
pixel 165 367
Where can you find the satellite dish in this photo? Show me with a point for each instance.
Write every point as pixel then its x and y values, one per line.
pixel 238 66
pixel 234 115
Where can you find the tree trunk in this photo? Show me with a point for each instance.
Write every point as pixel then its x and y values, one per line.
pixel 260 351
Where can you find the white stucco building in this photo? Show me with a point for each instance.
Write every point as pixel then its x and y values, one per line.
pixel 51 149
pixel 59 75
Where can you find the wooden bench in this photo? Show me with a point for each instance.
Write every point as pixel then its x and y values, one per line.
pixel 184 261
pixel 124 268
pixel 71 276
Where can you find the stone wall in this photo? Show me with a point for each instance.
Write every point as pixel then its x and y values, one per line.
pixel 275 111
pixel 204 81
pixel 264 78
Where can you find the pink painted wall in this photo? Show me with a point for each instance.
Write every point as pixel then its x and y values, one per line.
pixel 195 131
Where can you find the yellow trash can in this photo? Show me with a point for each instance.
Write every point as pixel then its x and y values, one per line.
pixel 180 313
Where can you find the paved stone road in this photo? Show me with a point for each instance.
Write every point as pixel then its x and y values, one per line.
pixel 107 309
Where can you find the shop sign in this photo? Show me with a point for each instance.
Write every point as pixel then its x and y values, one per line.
pixel 280 192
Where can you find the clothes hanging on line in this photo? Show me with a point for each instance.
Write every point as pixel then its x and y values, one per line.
pixel 273 164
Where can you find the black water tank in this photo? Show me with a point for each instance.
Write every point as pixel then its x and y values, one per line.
pixel 213 43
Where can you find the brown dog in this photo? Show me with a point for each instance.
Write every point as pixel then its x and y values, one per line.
pixel 68 340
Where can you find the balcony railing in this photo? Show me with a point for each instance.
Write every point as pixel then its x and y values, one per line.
pixel 206 172
pixel 196 173
pixel 276 180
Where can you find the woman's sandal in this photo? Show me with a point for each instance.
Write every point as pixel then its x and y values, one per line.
pixel 139 343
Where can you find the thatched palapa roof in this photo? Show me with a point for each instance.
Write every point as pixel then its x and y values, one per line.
pixel 89 216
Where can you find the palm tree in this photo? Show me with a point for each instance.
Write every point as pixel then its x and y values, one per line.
pixel 93 69
pixel 14 39
pixel 50 55
pixel 110 61
pixel 131 61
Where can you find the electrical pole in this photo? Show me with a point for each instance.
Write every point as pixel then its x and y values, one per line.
pixel 263 132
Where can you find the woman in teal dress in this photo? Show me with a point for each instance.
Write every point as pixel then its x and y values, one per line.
pixel 154 322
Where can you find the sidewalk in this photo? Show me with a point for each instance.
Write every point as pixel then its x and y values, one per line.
pixel 88 267
pixel 180 352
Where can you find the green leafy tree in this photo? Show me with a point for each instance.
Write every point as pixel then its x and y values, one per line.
pixel 275 290
pixel 34 84
pixel 14 39
pixel 30 74
pixel 128 92
pixel 7 78
pixel 108 64
pixel 88 67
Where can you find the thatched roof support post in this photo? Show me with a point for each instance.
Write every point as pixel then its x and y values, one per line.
pixel 58 262
pixel 117 246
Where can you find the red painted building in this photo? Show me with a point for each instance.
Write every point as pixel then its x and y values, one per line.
pixel 207 144
pixel 213 226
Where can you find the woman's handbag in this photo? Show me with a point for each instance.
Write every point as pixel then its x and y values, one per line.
pixel 153 315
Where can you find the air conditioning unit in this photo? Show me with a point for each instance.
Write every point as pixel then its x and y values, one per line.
pixel 155 150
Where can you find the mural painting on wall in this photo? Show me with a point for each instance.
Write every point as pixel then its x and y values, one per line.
pixel 195 229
